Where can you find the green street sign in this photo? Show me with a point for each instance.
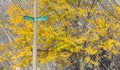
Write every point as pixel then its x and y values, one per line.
pixel 43 18
pixel 28 18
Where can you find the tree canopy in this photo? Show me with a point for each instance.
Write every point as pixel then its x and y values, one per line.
pixel 75 31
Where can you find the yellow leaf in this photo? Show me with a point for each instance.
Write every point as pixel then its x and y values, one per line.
pixel 94 63
pixel 91 51
pixel 87 59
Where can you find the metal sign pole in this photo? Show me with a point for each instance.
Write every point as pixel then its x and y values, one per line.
pixel 35 19
pixel 35 37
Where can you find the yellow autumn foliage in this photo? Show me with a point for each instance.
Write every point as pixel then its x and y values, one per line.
pixel 87 59
pixel 91 51
pixel 61 35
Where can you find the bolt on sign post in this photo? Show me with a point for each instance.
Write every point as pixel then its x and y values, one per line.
pixel 35 19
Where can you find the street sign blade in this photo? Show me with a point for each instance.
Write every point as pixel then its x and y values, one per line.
pixel 28 18
pixel 43 18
